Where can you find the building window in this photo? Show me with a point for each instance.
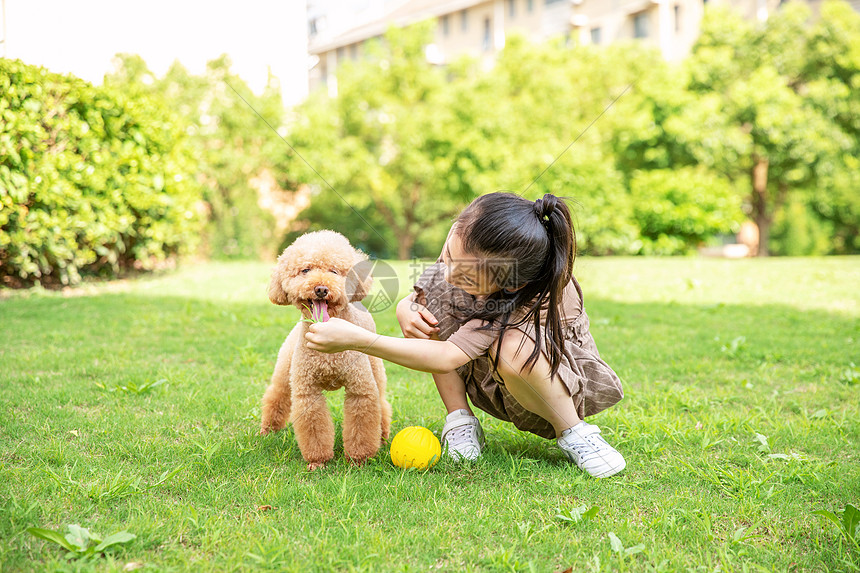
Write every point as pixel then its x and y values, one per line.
pixel 530 4
pixel 677 18
pixel 446 28
pixel 552 1
pixel 464 20
pixel 488 34
pixel 512 8
pixel 595 35
pixel 353 52
pixel 340 54
pixel 641 23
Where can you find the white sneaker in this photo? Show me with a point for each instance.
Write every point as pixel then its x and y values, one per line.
pixel 463 435
pixel 585 447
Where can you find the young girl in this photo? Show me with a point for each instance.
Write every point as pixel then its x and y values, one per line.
pixel 500 318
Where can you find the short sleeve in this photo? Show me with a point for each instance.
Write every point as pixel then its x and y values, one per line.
pixel 473 341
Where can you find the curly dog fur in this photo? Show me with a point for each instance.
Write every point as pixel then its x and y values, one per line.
pixel 322 266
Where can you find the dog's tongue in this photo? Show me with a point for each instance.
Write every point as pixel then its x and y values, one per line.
pixel 320 311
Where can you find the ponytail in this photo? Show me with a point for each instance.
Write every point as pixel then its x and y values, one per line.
pixel 532 246
pixel 556 274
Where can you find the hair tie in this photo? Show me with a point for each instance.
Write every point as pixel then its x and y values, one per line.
pixel 545 206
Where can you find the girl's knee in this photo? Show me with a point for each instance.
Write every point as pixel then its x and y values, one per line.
pixel 514 353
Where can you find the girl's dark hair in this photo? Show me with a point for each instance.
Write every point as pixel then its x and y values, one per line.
pixel 524 244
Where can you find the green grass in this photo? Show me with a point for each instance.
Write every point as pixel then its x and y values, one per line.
pixel 135 406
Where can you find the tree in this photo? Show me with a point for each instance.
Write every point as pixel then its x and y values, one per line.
pixel 232 145
pixel 678 209
pixel 405 146
pixel 763 128
pixel 833 68
pixel 383 148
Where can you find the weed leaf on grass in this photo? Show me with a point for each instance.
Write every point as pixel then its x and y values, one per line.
pixel 735 347
pixel 115 539
pixel 851 520
pixel 763 447
pixel 132 388
pixel 80 537
pixel 52 536
pixel 80 542
pixel 740 535
pixel 850 375
pixel 165 475
pixel 849 525
pixel 615 543
pixel 618 547
pixel 577 514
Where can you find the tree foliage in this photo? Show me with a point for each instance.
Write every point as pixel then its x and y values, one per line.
pixel 389 153
pixel 780 115
pixel 91 181
pixel 231 131
pixel 833 68
pixel 761 117
pixel 679 209
pixel 405 145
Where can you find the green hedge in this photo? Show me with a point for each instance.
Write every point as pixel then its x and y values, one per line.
pixel 91 181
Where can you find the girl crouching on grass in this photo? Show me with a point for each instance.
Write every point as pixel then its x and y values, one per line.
pixel 500 318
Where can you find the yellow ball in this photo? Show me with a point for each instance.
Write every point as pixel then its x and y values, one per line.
pixel 415 447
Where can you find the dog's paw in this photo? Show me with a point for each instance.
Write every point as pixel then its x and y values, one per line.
pixel 268 429
pixel 315 466
pixel 356 461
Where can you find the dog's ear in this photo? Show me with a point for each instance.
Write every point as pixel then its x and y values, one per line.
pixel 359 279
pixel 276 292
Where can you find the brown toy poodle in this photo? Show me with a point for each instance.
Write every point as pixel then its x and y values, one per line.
pixel 324 276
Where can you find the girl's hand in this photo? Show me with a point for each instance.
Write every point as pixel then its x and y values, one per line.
pixel 415 320
pixel 337 335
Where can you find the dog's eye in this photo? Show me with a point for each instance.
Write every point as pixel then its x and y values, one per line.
pixel 305 271
pixel 334 271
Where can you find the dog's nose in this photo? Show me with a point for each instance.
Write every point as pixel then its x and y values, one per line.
pixel 321 291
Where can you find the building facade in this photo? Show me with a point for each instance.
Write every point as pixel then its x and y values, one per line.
pixel 479 27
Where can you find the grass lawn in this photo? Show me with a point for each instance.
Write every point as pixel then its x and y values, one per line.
pixel 135 406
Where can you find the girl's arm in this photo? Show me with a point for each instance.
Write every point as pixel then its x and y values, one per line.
pixel 433 356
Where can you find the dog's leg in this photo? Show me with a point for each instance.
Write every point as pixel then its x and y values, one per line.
pixel 378 367
pixel 313 425
pixel 275 411
pixel 362 417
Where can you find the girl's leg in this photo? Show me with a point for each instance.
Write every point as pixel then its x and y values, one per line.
pixel 452 390
pixel 462 435
pixel 534 389
pixel 549 399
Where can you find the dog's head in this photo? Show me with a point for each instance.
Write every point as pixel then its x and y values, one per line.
pixel 320 273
